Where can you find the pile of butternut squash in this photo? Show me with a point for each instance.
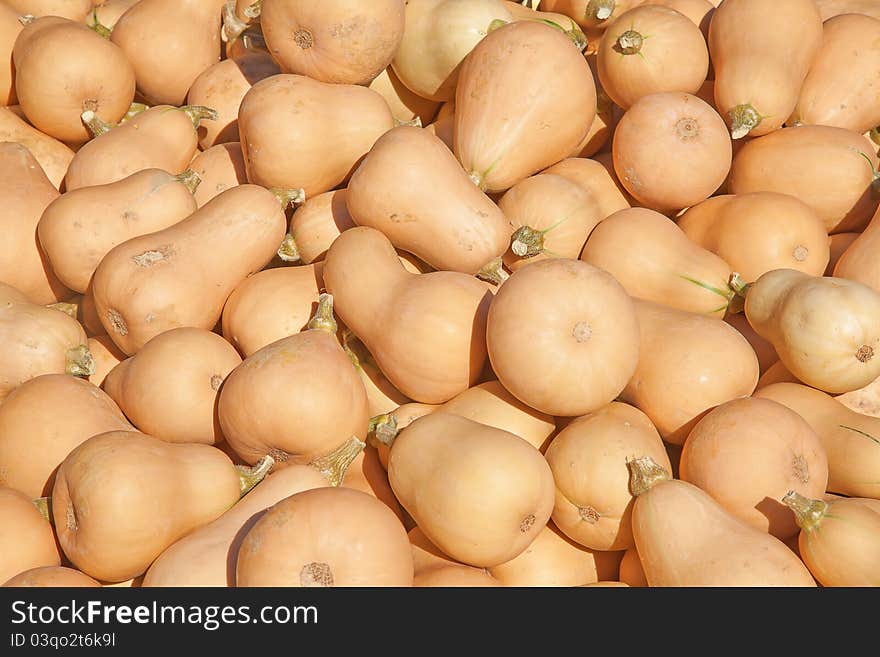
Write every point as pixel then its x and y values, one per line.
pixel 439 293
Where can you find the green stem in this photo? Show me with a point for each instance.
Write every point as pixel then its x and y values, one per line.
pixel 495 24
pixel 44 506
pixel 289 197
pixel 96 25
pixel 288 251
pixel 527 242
pixel 250 476
pixel 335 464
pixel 644 473
pixel 808 513
pixel 875 183
pixel 233 26
pixel 134 110
pixel 323 319
pixel 80 362
pixel 493 272
pixel 199 113
pixel 67 307
pixel 743 119
pixel 190 179
pixel 96 125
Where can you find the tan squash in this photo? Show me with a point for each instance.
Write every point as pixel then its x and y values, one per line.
pixel 25 191
pixel 174 398
pixel 631 572
pixel 109 491
pixel 839 540
pixel 207 556
pixel 434 569
pixel 698 11
pixel 62 69
pixel 839 90
pixel 33 443
pixel 406 106
pixel 315 144
pixel 321 415
pixel 688 364
pixel 829 169
pixel 759 74
pixel 594 15
pixel 161 137
pixel 271 305
pixel 315 224
pixel 607 116
pixel 382 396
pixel 80 227
pixel 654 260
pixel 776 373
pixel 425 331
pixel 556 324
pixel 765 352
pixel 588 459
pixel 758 232
pixel 831 8
pixel 10 27
pixel 745 451
pixel 851 440
pixel 336 41
pixel 139 287
pixel 551 216
pixel 367 474
pixel 685 538
pixel 26 537
pixel 326 537
pixel 53 156
pixel 450 224
pixel 673 57
pixel 832 350
pixel 502 494
pixel 384 428
pixel 169 43
pixel 443 126
pixel 219 168
pixel 671 150
pixel 859 262
pixel 595 178
pixel 106 356
pixel 840 243
pixel 438 36
pixel 527 63
pixel 74 10
pixel 37 340
pixel 52 577
pixel 222 86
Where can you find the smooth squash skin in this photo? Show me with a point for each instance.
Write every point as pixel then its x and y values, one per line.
pixel 10 27
pixel 826 330
pixel 25 191
pixel 688 364
pixel 314 144
pixel 169 43
pixel 591 175
pixel 698 11
pixel 426 331
pixel 557 324
pixel 222 86
pixel 671 150
pixel 271 305
pixel 317 222
pixel 405 105
pixel 326 537
pixel 593 15
pixel 219 168
pixel 607 115
pixel 851 440
pixel 551 216
pixel 631 571
pixel 839 540
pixel 26 537
pixel 840 89
pixel 74 10
pixel 758 232
pixel 33 443
pixel 79 228
pixel 62 69
pixel 207 556
pixel 588 459
pixel 761 54
pixel 336 41
pixel 685 538
pixel 53 156
pixel 529 64
pixel 169 388
pixel 412 189
pixel 764 350
pixel 140 288
pixel 106 356
pixel 830 169
pixel 480 494
pixel 831 8
pixel 437 37
pixel 320 414
pixel 654 260
pixel 433 568
pixel 840 243
pixel 51 577
pixel 858 262
pixel 673 57
pixel 162 137
pixel 382 396
pixel 745 451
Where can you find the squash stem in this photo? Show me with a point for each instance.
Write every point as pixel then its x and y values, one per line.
pixel 493 272
pixel 43 505
pixel 383 430
pixel 527 242
pixel 254 10
pixel 250 476
pixel 323 319
pixel 289 197
pixel 629 43
pixel 743 119
pixel 875 135
pixel 335 464
pixel 738 285
pixel 96 125
pixel 199 113
pixel 414 122
pixel 190 179
pixel 808 513
pixel 67 307
pixel 599 10
pixel 233 26
pixel 495 24
pixel 288 251
pixel 133 110
pixel 97 27
pixel 644 473
pixel 80 362
pixel 27 19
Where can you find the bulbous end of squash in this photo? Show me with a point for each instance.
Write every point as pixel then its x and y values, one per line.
pixel 743 119
pixel 323 319
pixel 288 250
pixel 644 473
pixel 190 179
pixel 250 476
pixel 335 464
pixel 808 513
pixel 42 504
pixel 629 43
pixel 383 430
pixel 599 10
pixel 96 125
pixel 493 272
pixel 80 362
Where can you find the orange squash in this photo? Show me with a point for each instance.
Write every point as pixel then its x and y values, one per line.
pixel 631 571
pixel 26 538
pixel 53 156
pixel 699 12
pixel 594 177
pixel 106 356
pixel 219 168
pixel 433 568
pixel 74 10
pixel 107 14
pixel 315 224
pixel 52 577
pixel 765 351
pixel 858 262
pixel 831 8
pixel 840 242
pixel 406 106
pixel 10 27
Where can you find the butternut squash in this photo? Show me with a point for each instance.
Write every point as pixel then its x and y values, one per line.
pixel 10 27
pixel 763 350
pixel 671 150
pixel 607 115
pixel 851 440
pixel 406 106
pixel 856 263
pixel 52 577
pixel 478 493
pixel 77 229
pixel 759 72
pixel 315 224
pixel 831 8
pixel 74 10
pixel 433 568
pixel 219 168
pixel 523 64
pixel 53 156
pixel 840 243
pixel 106 356
pixel 698 11
pixel 631 572
pixel 330 128
pixel 688 364
pixel 367 474
pixel 685 538
pixel 107 14
pixel 443 126
pixel 138 286
pixel 596 15
pixel 26 537
pixel 592 175
pixel 382 396
pixel 326 537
